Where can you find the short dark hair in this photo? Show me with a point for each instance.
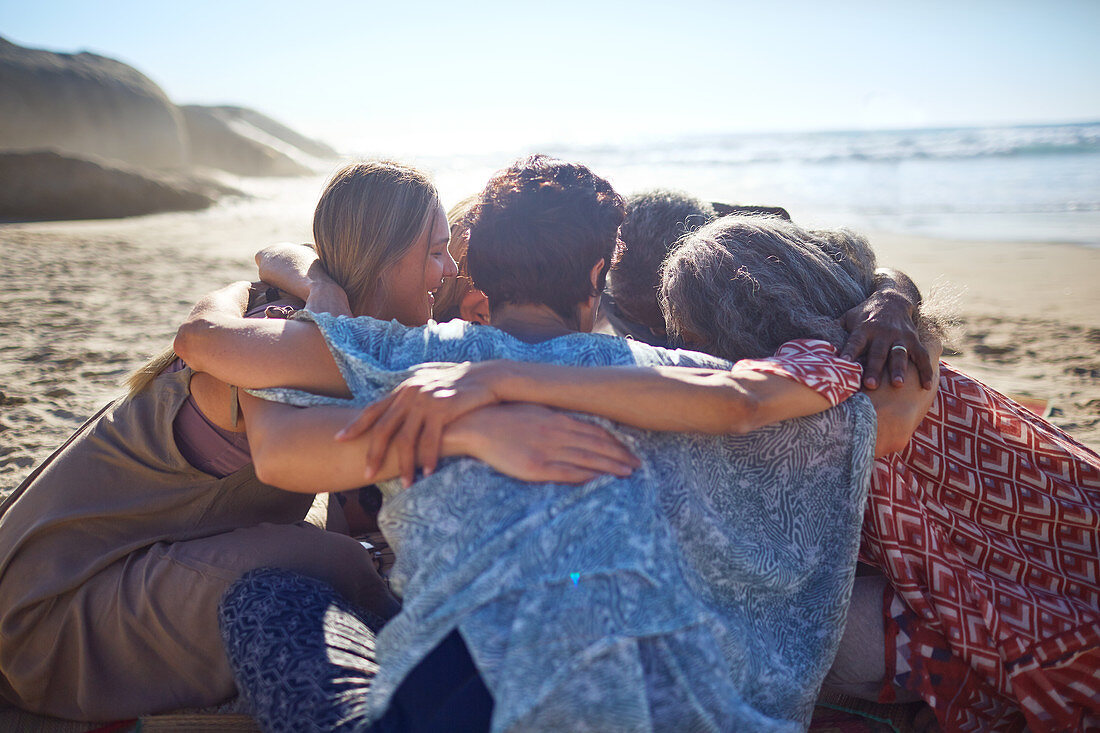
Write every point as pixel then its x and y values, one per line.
pixel 655 222
pixel 536 231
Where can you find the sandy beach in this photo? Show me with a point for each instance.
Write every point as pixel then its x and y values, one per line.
pixel 86 302
pixel 1029 318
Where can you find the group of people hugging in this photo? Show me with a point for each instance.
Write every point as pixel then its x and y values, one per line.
pixel 624 465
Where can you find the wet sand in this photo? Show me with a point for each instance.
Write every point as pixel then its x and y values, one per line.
pixel 86 302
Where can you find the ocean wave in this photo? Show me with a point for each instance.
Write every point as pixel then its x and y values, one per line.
pixel 1071 207
pixel 1023 183
pixel 837 147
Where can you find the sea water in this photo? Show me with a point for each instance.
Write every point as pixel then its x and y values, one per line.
pixel 1022 183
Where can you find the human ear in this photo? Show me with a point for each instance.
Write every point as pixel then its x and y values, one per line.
pixel 594 276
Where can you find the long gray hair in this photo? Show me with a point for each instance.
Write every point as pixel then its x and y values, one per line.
pixel 743 285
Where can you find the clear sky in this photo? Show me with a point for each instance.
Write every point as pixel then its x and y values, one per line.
pixel 448 76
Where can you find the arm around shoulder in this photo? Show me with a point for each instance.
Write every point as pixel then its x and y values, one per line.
pixel 293 449
pixel 256 352
pixel 296 269
pixel 666 398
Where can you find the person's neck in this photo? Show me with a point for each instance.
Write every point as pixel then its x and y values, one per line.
pixel 529 322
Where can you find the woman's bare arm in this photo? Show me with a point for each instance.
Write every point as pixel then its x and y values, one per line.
pixel 682 399
pixel 700 400
pixel 678 399
pixel 296 269
pixel 292 448
pixel 256 352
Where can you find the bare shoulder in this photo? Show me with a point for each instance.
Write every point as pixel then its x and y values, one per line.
pixel 214 398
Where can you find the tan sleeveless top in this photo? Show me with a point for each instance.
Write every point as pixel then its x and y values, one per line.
pixel 120 485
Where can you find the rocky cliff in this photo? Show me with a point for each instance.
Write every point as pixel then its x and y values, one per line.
pixel 88 105
pixel 99 119
pixel 44 185
pixel 224 142
pixel 258 124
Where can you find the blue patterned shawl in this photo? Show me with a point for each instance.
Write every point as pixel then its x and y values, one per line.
pixel 706 591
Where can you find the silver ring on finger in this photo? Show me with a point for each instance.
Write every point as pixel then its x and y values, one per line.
pixel 899 347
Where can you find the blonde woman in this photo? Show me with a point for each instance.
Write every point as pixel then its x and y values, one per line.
pixel 115 552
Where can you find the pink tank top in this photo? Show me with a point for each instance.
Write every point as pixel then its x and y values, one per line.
pixel 207 447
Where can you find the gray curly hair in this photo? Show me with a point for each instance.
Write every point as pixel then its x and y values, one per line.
pixel 741 286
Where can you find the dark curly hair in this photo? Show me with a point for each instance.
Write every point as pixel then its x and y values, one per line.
pixel 655 222
pixel 536 231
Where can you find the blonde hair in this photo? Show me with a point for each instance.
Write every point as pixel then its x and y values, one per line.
pixel 450 294
pixel 147 372
pixel 369 215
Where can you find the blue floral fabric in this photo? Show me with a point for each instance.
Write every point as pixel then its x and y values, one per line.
pixel 706 591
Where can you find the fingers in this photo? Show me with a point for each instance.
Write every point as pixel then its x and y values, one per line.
pixel 920 356
pixel 898 363
pixel 381 436
pixel 876 360
pixel 364 420
pixel 576 464
pixel 535 443
pixel 596 461
pixel 411 421
pixel 596 440
pixel 427 448
pixel 567 473
pixel 854 346
pixel 404 445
